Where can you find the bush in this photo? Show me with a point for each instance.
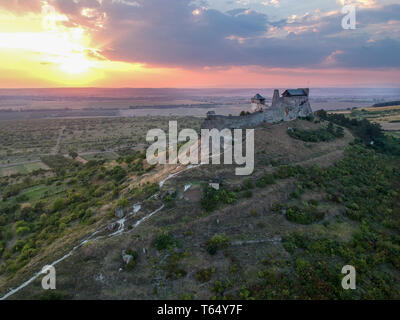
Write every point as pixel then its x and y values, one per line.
pixel 123 203
pixel 204 275
pixel 212 248
pixel 131 264
pixel 248 194
pixel 21 231
pixel 303 216
pixel 212 198
pixel 59 204
pixel 265 180
pixel 164 241
pixel 247 185
pixel 117 173
pixel 317 135
pixel 22 198
pixel 286 171
pixel 218 241
pixel 277 206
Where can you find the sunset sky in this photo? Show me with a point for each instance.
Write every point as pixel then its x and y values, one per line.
pixel 183 43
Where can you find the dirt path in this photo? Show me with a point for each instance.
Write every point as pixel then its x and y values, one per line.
pixel 81 160
pixel 18 163
pixel 56 148
pixel 323 161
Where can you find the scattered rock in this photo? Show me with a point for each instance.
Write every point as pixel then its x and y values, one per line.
pixel 119 212
pixel 126 257
pixel 111 226
pixel 214 185
pixel 99 277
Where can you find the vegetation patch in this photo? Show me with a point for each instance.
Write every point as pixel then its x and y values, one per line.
pixel 204 275
pixel 132 264
pixel 164 241
pixel 306 215
pixel 213 198
pixel 322 134
pixel 218 241
pixel 369 133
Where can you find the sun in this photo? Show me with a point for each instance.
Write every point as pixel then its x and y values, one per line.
pixel 75 63
pixel 47 41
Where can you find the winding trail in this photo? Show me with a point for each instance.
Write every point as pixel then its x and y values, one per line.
pixel 36 275
pixel 121 230
pixel 121 222
pixel 56 148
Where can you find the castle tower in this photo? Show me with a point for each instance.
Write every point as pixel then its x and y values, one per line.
pixel 275 98
pixel 257 103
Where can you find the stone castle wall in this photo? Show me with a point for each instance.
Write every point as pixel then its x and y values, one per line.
pixel 282 109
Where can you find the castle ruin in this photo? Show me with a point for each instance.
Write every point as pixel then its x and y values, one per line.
pixel 293 103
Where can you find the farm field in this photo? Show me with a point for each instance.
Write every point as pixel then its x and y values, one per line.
pixel 388 117
pixel 29 140
pixel 22 168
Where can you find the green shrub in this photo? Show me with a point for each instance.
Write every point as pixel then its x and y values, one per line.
pixel 248 194
pixel 123 203
pixel 218 241
pixel 22 198
pixel 21 231
pixel 265 180
pixel 277 207
pixel 59 204
pixel 164 241
pixel 204 275
pixel 303 216
pixel 317 135
pixel 213 198
pixel 247 185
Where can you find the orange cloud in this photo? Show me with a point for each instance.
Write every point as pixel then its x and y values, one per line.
pixel 44 49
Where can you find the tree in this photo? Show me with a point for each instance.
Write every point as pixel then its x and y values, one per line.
pixel 331 128
pixel 339 132
pixel 73 154
pixel 59 204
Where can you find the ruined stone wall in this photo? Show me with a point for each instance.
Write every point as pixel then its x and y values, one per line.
pixel 294 107
pixel 282 112
pixel 233 122
pixel 282 109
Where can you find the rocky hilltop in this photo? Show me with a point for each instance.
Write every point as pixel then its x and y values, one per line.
pixel 293 104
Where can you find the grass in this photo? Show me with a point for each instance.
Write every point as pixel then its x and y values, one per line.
pixel 101 156
pixel 381 108
pixel 395 134
pixel 22 169
pixel 37 192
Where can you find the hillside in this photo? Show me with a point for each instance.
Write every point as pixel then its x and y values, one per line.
pixel 283 232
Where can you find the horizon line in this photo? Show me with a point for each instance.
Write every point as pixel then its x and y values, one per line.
pixel 200 88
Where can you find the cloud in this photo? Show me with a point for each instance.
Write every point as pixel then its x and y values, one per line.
pixel 359 3
pixel 274 3
pixel 184 33
pixel 18 6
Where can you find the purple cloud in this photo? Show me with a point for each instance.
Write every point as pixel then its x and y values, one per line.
pixel 182 33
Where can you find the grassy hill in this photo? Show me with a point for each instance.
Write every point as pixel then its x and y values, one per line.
pixel 286 231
